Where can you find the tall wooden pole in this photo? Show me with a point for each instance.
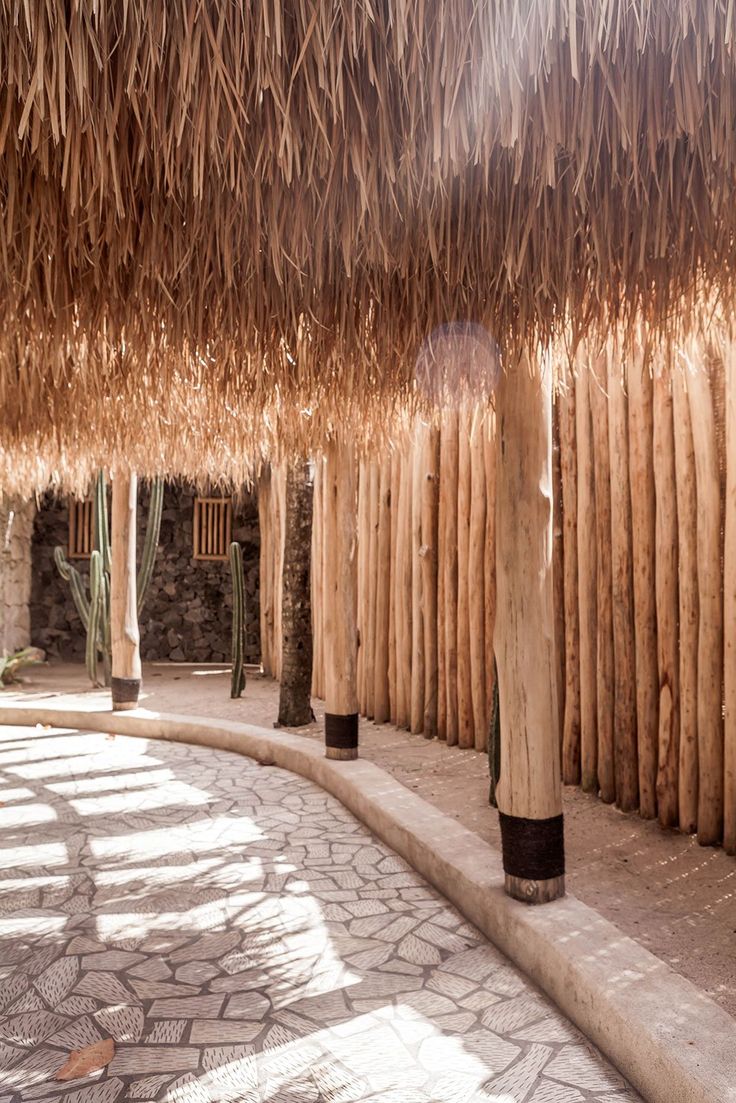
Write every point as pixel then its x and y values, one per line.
pixel 667 602
pixel 529 792
pixel 124 635
pixel 587 583
pixel 339 589
pixel 643 529
pixel 710 600
pixel 626 765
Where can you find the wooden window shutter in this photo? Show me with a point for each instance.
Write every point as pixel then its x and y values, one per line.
pixel 212 528
pixel 81 528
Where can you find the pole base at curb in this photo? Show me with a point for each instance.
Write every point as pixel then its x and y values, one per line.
pixel 341 735
pixel 125 693
pixel 534 892
pixel 343 754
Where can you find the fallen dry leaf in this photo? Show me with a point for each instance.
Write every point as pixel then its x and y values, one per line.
pixel 91 1059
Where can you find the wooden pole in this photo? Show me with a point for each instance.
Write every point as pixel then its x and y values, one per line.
pixel 489 556
pixel 393 674
pixel 687 549
pixel 667 601
pixel 476 583
pixel 604 595
pixel 587 584
pixel 124 634
pixel 295 704
pixel 558 568
pixel 569 474
pixel 529 791
pixel 429 526
pixel 464 692
pixel 448 492
pixel 403 592
pixel 265 573
pixel 441 557
pixel 371 594
pixel 624 715
pixel 710 627
pixel 383 597
pixel 363 554
pixel 414 466
pixel 729 614
pixel 317 598
pixel 339 586
pixel 643 528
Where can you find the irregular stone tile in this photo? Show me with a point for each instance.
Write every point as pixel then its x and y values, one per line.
pixel 154 990
pixel 152 969
pixel 166 1032
pixel 31 1028
pixel 551 1029
pixel 106 1092
pixel 111 960
pixel 460 1022
pixel 186 1089
pixel 57 980
pixel 555 1093
pixel 77 1005
pixel 509 1015
pixel 190 1007
pixel 149 1087
pixel 476 964
pixel 580 1066
pixel 217 1032
pixel 245 1005
pixel 418 952
pixel 143 1059
pixel 236 962
pixel 209 947
pixel 105 986
pixel 77 1035
pixel 196 972
pixel 124 1024
pixel 31 1001
pixel 518 1081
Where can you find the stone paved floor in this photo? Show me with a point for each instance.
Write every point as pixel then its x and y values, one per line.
pixel 242 937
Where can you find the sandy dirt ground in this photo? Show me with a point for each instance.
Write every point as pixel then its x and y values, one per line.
pixel 674 897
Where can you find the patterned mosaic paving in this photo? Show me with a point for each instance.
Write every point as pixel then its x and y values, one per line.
pixel 244 939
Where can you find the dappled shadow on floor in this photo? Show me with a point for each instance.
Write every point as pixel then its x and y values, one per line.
pixel 242 937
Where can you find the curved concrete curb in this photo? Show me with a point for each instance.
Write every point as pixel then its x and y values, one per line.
pixel 672 1042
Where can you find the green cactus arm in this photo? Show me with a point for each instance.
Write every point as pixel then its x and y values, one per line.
pixel 71 575
pixel 105 641
pixel 102 528
pixel 237 682
pixel 150 546
pixel 95 602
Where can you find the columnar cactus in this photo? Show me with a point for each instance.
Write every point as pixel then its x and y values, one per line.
pixel 94 611
pixel 237 683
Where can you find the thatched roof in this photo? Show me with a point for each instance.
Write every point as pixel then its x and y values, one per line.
pixel 192 192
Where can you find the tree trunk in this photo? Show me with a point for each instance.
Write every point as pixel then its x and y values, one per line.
pixel 295 706
pixel 124 635
pixel 529 792
pixel 340 583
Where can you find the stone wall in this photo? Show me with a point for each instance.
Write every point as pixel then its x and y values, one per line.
pixel 16 528
pixel 187 616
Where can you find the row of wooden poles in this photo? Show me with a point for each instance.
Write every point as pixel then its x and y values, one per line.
pixel 644 583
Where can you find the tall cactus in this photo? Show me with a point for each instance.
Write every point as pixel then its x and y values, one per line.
pixel 94 611
pixel 237 682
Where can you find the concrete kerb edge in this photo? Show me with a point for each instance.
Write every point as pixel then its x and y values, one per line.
pixel 671 1042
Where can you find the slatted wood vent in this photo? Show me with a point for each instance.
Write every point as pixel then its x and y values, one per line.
pixel 81 528
pixel 212 530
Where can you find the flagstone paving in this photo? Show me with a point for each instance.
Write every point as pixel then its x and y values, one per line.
pixel 243 938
